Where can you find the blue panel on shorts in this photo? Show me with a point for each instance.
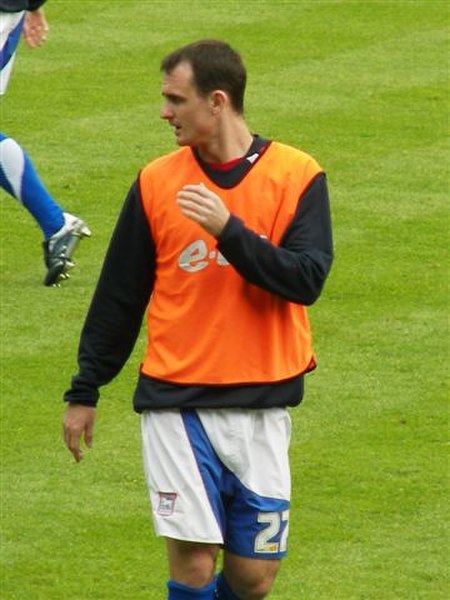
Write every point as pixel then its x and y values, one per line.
pixel 252 525
pixel 257 525
pixel 208 462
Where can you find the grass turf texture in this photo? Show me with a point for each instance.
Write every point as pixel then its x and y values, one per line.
pixel 363 86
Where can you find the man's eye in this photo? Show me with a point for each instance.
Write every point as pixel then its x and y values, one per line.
pixel 174 99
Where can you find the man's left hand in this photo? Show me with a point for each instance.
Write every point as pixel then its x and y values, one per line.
pixel 203 206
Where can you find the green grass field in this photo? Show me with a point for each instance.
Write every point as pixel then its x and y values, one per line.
pixel 363 87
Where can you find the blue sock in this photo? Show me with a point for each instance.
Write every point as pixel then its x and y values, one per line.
pixel 223 591
pixel 178 591
pixel 20 179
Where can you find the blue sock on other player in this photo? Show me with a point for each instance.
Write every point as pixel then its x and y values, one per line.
pixel 223 590
pixel 20 179
pixel 178 591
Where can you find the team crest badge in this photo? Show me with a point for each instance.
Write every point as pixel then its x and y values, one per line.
pixel 166 503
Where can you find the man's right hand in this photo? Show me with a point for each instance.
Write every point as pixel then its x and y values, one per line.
pixel 78 424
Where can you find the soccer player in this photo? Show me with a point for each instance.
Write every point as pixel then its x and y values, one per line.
pixel 224 242
pixel 61 230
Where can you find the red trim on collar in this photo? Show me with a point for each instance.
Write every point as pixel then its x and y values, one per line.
pixel 226 166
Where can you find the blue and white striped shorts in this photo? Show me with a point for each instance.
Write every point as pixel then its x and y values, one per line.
pixel 10 29
pixel 220 477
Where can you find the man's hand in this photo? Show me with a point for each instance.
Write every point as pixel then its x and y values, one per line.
pixel 78 423
pixel 204 207
pixel 35 28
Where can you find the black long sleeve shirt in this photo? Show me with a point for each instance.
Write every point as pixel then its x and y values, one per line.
pixel 295 270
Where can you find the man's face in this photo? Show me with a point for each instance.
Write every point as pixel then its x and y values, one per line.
pixel 188 113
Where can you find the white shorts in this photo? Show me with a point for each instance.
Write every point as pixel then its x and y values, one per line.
pixel 10 30
pixel 220 476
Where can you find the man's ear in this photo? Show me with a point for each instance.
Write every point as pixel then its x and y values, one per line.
pixel 218 100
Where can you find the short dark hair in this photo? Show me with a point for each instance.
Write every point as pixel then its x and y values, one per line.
pixel 215 66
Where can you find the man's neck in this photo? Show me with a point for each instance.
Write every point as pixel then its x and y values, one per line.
pixel 230 143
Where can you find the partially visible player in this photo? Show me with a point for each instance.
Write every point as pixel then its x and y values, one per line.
pixel 61 230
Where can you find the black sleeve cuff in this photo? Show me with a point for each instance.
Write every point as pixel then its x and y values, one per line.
pixel 81 393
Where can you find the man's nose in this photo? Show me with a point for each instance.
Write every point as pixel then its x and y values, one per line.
pixel 166 112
